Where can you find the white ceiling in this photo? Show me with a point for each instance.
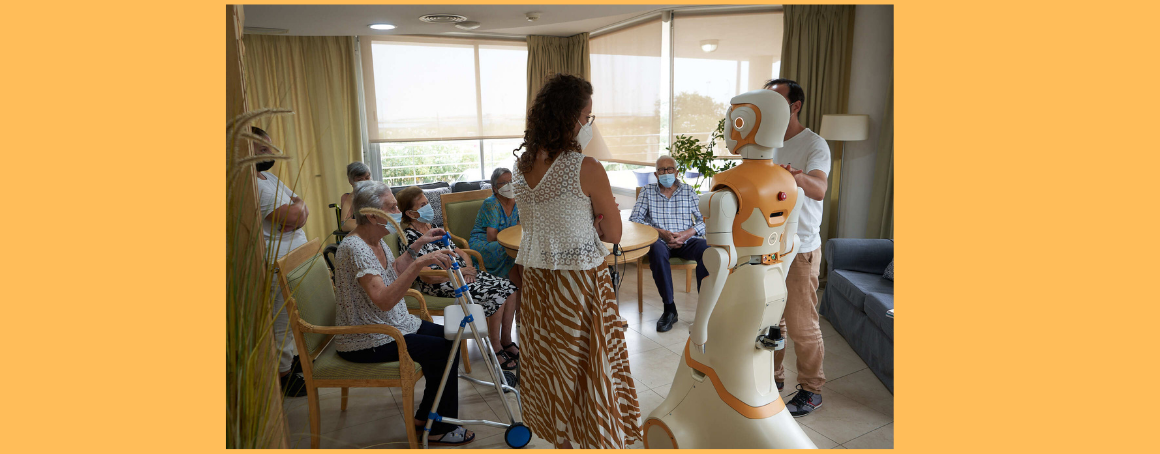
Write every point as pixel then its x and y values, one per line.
pixel 351 20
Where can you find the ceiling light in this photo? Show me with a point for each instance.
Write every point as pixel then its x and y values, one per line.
pixel 469 25
pixel 382 26
pixel 709 45
pixel 532 16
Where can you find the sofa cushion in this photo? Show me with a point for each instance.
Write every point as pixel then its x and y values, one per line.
pixel 464 186
pixel 855 285
pixel 876 306
pixel 889 274
pixel 437 184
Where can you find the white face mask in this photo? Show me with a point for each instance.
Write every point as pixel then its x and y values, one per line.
pixel 585 135
pixel 507 191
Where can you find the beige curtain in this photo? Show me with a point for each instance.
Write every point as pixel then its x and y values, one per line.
pixel 815 52
pixel 881 221
pixel 314 76
pixel 549 54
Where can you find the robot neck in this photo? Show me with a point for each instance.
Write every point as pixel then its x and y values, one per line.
pixel 753 151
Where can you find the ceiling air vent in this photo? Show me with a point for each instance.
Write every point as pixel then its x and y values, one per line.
pixel 442 18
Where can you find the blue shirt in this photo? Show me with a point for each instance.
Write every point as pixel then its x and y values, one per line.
pixel 675 214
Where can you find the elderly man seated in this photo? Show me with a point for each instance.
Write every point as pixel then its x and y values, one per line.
pixel 671 207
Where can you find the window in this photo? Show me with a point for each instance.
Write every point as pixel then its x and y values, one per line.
pixel 443 109
pixel 632 68
pixel 747 53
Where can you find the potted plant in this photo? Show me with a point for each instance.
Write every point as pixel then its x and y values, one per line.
pixel 697 159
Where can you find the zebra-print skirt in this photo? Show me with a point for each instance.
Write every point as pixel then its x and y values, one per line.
pixel 574 362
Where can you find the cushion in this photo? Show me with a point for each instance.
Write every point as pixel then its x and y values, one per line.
pixel 330 366
pixel 853 286
pixel 464 186
pixel 433 196
pixel 313 293
pixel 396 189
pixel 461 217
pixel 876 306
pixel 435 304
pixel 889 274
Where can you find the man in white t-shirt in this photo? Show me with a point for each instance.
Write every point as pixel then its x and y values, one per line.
pixel 807 156
pixel 283 216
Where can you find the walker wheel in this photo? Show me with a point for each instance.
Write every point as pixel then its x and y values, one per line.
pixel 517 435
pixel 511 378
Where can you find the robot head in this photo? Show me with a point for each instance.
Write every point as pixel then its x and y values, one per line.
pixel 758 117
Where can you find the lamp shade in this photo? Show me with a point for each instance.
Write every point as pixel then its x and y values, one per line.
pixel 596 147
pixel 845 127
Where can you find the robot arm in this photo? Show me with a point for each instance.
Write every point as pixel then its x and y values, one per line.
pixel 719 208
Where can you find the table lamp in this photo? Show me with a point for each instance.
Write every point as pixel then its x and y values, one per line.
pixel 596 147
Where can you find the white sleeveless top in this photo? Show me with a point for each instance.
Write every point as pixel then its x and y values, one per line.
pixel 556 218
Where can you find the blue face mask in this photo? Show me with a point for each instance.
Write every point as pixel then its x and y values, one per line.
pixel 667 180
pixel 398 217
pixel 427 214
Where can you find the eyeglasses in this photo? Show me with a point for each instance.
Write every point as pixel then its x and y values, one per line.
pixel 666 170
pixel 591 119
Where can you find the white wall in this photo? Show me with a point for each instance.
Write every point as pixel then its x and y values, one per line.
pixel 872 72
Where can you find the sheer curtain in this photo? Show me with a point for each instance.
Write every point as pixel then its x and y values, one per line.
pixel 314 76
pixel 627 97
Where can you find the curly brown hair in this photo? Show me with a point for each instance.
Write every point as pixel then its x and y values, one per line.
pixel 551 119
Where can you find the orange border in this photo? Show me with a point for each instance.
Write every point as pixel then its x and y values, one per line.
pixel 651 421
pixel 747 411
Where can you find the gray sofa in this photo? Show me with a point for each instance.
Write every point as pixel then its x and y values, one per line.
pixel 857 297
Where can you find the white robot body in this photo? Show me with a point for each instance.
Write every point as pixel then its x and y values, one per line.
pixel 723 394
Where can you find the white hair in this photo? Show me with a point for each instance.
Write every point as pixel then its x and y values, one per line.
pixel 367 194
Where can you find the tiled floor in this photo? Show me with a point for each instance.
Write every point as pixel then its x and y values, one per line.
pixel 857 411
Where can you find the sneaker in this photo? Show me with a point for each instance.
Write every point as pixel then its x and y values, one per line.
pixel 294 385
pixel 803 402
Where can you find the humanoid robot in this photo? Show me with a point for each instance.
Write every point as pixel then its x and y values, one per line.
pixel 723 395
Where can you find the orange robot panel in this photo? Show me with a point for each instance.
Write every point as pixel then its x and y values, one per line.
pixel 761 184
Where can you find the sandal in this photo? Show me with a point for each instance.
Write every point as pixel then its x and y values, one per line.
pixel 506 362
pixel 516 355
pixel 457 437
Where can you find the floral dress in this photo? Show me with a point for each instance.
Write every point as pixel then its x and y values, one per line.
pixel 488 290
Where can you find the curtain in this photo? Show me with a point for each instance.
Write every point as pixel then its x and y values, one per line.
pixel 316 77
pixel 549 54
pixel 815 52
pixel 881 221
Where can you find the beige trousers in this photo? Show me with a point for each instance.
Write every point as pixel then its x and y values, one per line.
pixel 800 321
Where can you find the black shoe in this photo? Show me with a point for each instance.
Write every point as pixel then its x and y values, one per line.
pixel 780 386
pixel 803 402
pixel 293 385
pixel 666 322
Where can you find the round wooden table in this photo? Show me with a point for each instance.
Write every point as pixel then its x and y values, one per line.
pixel 634 240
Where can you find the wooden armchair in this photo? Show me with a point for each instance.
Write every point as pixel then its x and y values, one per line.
pixel 310 302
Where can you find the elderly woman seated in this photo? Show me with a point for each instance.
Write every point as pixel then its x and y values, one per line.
pixel 355 172
pixel 369 286
pixel 498 296
pixel 497 213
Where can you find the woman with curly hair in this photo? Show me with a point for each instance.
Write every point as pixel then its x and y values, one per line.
pixel 576 384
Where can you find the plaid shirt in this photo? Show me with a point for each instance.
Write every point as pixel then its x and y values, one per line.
pixel 675 215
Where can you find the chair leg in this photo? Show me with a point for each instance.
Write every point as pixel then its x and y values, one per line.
pixel 315 421
pixel 640 285
pixel 688 280
pixel 409 414
pixel 464 356
pixel 344 397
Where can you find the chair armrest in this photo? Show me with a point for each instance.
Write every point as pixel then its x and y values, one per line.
pixel 857 254
pixel 478 258
pixel 401 342
pixel 423 314
pixel 459 242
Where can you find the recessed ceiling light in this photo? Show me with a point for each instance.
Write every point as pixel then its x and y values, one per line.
pixel 708 45
pixel 469 25
pixel 382 26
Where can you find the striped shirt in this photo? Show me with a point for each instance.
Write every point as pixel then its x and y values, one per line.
pixel 675 214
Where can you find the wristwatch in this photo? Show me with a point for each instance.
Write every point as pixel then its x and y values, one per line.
pixel 414 255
